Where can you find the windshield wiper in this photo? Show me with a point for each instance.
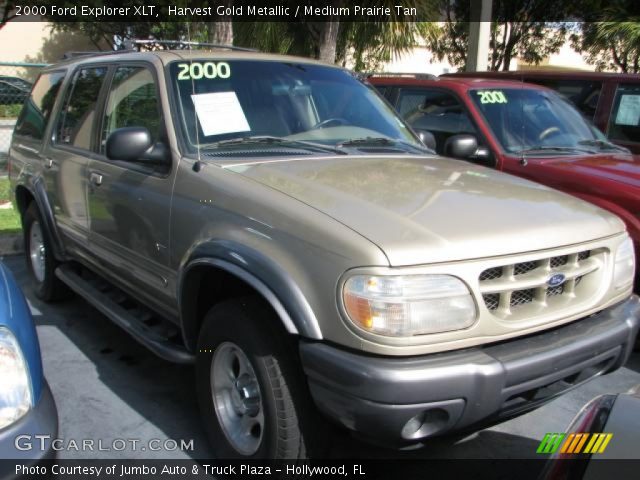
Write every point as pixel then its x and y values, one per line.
pixel 602 144
pixel 267 139
pixel 381 141
pixel 539 148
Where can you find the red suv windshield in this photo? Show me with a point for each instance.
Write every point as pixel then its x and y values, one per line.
pixel 527 120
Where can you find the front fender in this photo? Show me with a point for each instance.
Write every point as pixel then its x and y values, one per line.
pixel 631 221
pixel 263 274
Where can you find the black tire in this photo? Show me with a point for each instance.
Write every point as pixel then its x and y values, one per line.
pixel 290 418
pixel 48 288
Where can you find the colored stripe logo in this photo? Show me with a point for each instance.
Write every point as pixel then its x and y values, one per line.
pixel 574 443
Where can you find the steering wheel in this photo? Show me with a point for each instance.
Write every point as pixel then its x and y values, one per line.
pixel 548 131
pixel 330 122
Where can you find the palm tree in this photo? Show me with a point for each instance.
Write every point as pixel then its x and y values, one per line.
pixel 367 42
pixel 622 39
pixel 613 41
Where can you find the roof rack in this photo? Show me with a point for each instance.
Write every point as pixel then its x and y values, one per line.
pixel 133 46
pixel 417 76
pixel 69 55
pixel 182 45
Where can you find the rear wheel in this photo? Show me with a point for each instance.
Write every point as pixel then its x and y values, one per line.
pixel 251 391
pixel 39 256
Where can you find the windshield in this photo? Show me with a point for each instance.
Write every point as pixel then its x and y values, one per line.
pixel 534 120
pixel 306 106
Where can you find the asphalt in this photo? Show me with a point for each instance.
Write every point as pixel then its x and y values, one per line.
pixel 108 387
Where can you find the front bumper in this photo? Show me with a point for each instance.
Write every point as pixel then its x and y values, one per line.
pixel 403 400
pixel 41 420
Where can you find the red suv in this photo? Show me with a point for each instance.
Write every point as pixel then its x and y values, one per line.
pixel 610 100
pixel 523 129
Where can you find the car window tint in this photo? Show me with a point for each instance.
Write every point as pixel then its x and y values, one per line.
pixel 76 121
pixel 290 100
pixel 436 111
pixel 37 110
pixel 584 94
pixel 624 122
pixel 132 102
pixel 529 118
pixel 381 89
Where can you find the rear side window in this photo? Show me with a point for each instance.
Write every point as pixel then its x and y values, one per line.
pixel 38 107
pixel 132 102
pixel 584 94
pixel 624 122
pixel 75 125
pixel 381 89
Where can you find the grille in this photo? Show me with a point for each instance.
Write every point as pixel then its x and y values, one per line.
pixel 491 273
pixel 559 261
pixel 507 288
pixel 520 297
pixel 552 291
pixel 522 268
pixel 491 300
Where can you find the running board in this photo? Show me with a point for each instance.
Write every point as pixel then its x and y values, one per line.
pixel 98 298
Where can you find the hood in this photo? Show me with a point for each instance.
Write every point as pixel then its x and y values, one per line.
pixel 421 210
pixel 623 168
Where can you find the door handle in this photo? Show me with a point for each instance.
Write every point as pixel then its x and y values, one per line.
pixel 95 179
pixel 28 149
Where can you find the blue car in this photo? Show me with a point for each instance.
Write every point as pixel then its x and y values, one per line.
pixel 27 407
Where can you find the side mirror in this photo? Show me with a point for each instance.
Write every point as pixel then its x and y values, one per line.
pixel 134 144
pixel 128 143
pixel 426 137
pixel 461 146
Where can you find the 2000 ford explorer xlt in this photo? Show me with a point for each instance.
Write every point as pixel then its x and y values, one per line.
pixel 272 220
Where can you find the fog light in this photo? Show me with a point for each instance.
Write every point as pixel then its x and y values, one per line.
pixel 425 423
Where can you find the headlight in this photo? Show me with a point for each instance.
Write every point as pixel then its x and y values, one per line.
pixel 15 394
pixel 625 265
pixel 406 305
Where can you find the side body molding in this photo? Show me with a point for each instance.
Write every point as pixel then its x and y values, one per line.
pixel 262 273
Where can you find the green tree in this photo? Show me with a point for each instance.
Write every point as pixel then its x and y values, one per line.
pixel 366 43
pixel 333 40
pixel 7 11
pixel 58 43
pixel 114 34
pixel 609 36
pixel 519 28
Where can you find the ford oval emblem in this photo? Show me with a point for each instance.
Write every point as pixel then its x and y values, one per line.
pixel 556 280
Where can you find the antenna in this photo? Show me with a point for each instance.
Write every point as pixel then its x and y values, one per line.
pixel 523 158
pixel 198 165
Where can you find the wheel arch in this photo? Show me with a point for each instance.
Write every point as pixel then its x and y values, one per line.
pixel 218 265
pixel 27 194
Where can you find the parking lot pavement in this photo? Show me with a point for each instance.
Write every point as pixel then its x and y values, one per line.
pixel 108 387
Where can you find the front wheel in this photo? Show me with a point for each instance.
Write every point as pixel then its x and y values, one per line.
pixel 251 391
